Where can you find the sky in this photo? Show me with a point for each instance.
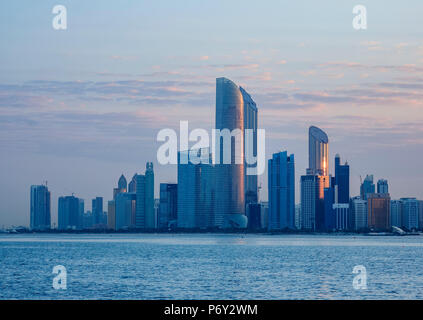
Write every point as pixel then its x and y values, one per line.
pixel 81 106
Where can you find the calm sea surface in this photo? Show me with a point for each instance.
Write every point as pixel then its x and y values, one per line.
pixel 210 266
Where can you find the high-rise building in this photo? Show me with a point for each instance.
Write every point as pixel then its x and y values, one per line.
pixel 88 220
pixel 250 122
pixel 81 214
pixel 359 213
pixel 396 213
pixel 379 211
pixel 318 152
pixel 230 175
pixel 410 213
pixel 382 186
pixel 420 214
pixel 132 186
pixel 312 201
pixel 196 192
pixel 254 216
pixel 111 214
pixel 156 213
pixel 40 209
pixel 329 200
pixel 168 206
pixel 145 217
pixel 121 188
pixel 140 202
pixel 125 211
pixel 68 213
pixel 97 210
pixel 122 184
pixel 342 181
pixel 298 216
pixel 264 212
pixel 281 182
pixel 342 216
pixel 150 222
pixel 367 187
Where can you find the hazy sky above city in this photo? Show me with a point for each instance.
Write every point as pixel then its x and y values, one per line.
pixel 81 106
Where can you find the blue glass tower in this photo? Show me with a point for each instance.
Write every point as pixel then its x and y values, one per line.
pixel 342 181
pixel 281 184
pixel 68 213
pixel 40 214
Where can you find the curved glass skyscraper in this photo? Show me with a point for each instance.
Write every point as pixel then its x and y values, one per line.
pixel 230 177
pixel 318 152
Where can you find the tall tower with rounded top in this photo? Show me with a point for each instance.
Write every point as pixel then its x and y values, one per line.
pixel 230 177
pixel 318 152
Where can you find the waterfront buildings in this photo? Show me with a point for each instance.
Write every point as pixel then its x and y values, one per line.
pixel 144 186
pixel 382 186
pixel 150 221
pixel 196 192
pixel 97 211
pixel 342 181
pixel 298 216
pixel 318 152
pixel 40 209
pixel 69 213
pixel 111 214
pixel 312 201
pixel 168 205
pixel 254 216
pixel 313 184
pixel 421 214
pixel 250 146
pixel 342 216
pixel 125 214
pixel 379 211
pixel 410 213
pixel 367 187
pixel 359 214
pixel 396 213
pixel 235 111
pixel 281 190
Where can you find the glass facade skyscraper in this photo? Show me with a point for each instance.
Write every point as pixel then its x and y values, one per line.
pixel 396 213
pixel 125 214
pixel 342 181
pixel 40 209
pixel 318 152
pixel 150 221
pixel 235 110
pixel 312 201
pixel 68 213
pixel 379 211
pixel 367 187
pixel 281 186
pixel 168 206
pixel 410 213
pixel 196 192
pixel 97 210
pixel 250 122
pixel 382 186
pixel 230 178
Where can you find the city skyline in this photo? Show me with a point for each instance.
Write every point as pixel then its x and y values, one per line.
pixel 78 111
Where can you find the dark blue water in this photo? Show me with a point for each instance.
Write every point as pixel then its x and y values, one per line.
pixel 205 266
